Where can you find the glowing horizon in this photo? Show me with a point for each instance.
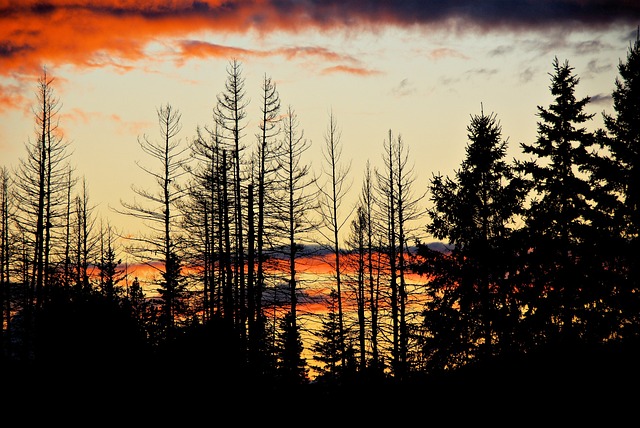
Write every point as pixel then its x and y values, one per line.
pixel 419 69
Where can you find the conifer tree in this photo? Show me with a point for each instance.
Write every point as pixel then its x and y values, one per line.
pixel 328 349
pixel 110 275
pixel 559 289
pixel 292 366
pixel 618 175
pixel 473 213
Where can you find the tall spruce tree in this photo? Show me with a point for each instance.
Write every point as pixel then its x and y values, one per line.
pixel 474 213
pixel 618 175
pixel 327 350
pixel 560 290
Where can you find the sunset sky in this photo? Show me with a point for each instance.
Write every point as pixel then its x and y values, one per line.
pixel 418 68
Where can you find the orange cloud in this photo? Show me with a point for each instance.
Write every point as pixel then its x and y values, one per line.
pixel 446 53
pixel 129 127
pixel 349 70
pixel 199 49
pixel 11 97
pixel 79 115
pixel 316 51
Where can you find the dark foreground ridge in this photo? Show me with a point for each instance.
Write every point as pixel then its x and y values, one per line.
pixel 558 383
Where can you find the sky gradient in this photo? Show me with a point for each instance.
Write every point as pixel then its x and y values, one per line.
pixel 417 68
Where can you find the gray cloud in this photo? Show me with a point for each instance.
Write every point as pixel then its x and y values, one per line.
pixel 601 99
pixel 405 87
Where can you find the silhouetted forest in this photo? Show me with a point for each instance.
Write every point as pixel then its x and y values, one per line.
pixel 531 283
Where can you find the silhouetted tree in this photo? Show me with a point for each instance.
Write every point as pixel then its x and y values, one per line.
pixel 373 265
pixel 397 207
pixel 39 192
pixel 5 262
pixel 229 115
pixel 618 175
pixel 474 213
pixel 205 219
pixel 561 288
pixel 356 261
pixel 85 239
pixel 407 210
pixel 109 273
pixel 292 367
pixel 158 215
pixel 296 201
pixel 328 347
pixel 331 193
pixel 387 219
pixel 265 167
pixel 40 184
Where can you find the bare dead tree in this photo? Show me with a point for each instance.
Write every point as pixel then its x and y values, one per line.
pixel 230 114
pixel 157 210
pixel 294 223
pixel 331 194
pixel 40 185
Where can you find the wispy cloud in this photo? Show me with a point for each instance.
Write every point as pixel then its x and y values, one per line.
pixel 501 50
pixel 594 67
pixel 591 47
pixel 601 99
pixel 349 70
pixel 315 51
pixel 11 97
pixel 526 75
pixel 486 72
pixel 198 49
pixel 441 53
pixel 126 127
pixel 405 87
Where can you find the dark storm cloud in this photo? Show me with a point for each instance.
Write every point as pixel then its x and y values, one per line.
pixel 486 14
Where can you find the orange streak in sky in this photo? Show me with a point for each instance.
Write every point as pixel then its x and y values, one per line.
pixel 349 70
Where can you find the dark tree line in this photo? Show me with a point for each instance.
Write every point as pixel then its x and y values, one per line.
pixel 541 251
pixel 535 252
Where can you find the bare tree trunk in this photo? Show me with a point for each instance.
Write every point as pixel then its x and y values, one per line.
pixel 163 219
pixel 5 255
pixel 330 202
pixel 230 113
